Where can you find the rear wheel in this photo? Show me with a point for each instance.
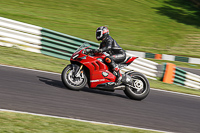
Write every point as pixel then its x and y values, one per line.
pixel 140 87
pixel 71 81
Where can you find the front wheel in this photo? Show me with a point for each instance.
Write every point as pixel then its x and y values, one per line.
pixel 140 87
pixel 72 81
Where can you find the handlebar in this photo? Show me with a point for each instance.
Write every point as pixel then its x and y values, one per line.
pixel 92 51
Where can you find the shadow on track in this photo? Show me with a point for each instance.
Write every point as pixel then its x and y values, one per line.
pixel 59 84
pixel 52 82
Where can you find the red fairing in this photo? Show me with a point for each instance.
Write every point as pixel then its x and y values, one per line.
pixel 99 73
pixel 131 60
pixel 96 77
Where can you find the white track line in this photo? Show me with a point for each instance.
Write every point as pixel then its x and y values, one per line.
pixel 93 122
pixel 176 92
pixel 60 74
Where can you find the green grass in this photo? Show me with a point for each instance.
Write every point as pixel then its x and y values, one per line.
pixel 25 123
pixel 20 58
pixel 157 26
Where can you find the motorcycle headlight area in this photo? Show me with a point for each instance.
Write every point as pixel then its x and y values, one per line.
pixel 75 56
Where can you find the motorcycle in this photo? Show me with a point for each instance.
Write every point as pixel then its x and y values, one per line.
pixel 89 68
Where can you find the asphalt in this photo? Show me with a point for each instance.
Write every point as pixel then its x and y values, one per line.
pixel 44 93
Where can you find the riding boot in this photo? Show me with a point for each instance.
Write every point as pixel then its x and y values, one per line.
pixel 114 67
pixel 119 75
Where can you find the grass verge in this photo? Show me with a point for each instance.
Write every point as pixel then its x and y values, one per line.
pixel 20 58
pixel 156 26
pixel 26 123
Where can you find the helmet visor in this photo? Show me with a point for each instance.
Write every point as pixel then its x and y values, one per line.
pixel 99 34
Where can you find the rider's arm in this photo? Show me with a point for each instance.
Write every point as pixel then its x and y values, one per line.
pixel 107 47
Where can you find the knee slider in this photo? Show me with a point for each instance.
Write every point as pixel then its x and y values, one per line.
pixel 108 60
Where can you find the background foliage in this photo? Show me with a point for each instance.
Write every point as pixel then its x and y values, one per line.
pixel 157 26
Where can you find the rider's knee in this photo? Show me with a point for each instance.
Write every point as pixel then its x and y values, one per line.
pixel 108 60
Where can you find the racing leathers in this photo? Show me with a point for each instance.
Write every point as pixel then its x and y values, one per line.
pixel 115 54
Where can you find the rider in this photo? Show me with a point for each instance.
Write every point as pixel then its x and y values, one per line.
pixel 115 54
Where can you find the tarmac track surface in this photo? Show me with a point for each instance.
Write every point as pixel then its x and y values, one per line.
pixel 44 93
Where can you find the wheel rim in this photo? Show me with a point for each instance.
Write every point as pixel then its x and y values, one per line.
pixel 139 85
pixel 72 80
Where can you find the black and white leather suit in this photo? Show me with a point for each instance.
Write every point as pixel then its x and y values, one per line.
pixel 115 53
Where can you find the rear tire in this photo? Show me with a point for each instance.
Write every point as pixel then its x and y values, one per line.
pixel 71 82
pixel 141 83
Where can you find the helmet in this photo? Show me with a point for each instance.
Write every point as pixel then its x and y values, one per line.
pixel 101 32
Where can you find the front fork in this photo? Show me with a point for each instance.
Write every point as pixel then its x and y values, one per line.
pixel 76 70
pixel 79 70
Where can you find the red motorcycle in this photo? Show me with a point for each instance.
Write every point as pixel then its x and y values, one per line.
pixel 89 68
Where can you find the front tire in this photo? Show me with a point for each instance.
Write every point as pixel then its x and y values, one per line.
pixel 72 82
pixel 141 87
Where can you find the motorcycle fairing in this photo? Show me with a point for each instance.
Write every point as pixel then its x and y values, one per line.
pixel 97 69
pixel 97 72
pixel 130 60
